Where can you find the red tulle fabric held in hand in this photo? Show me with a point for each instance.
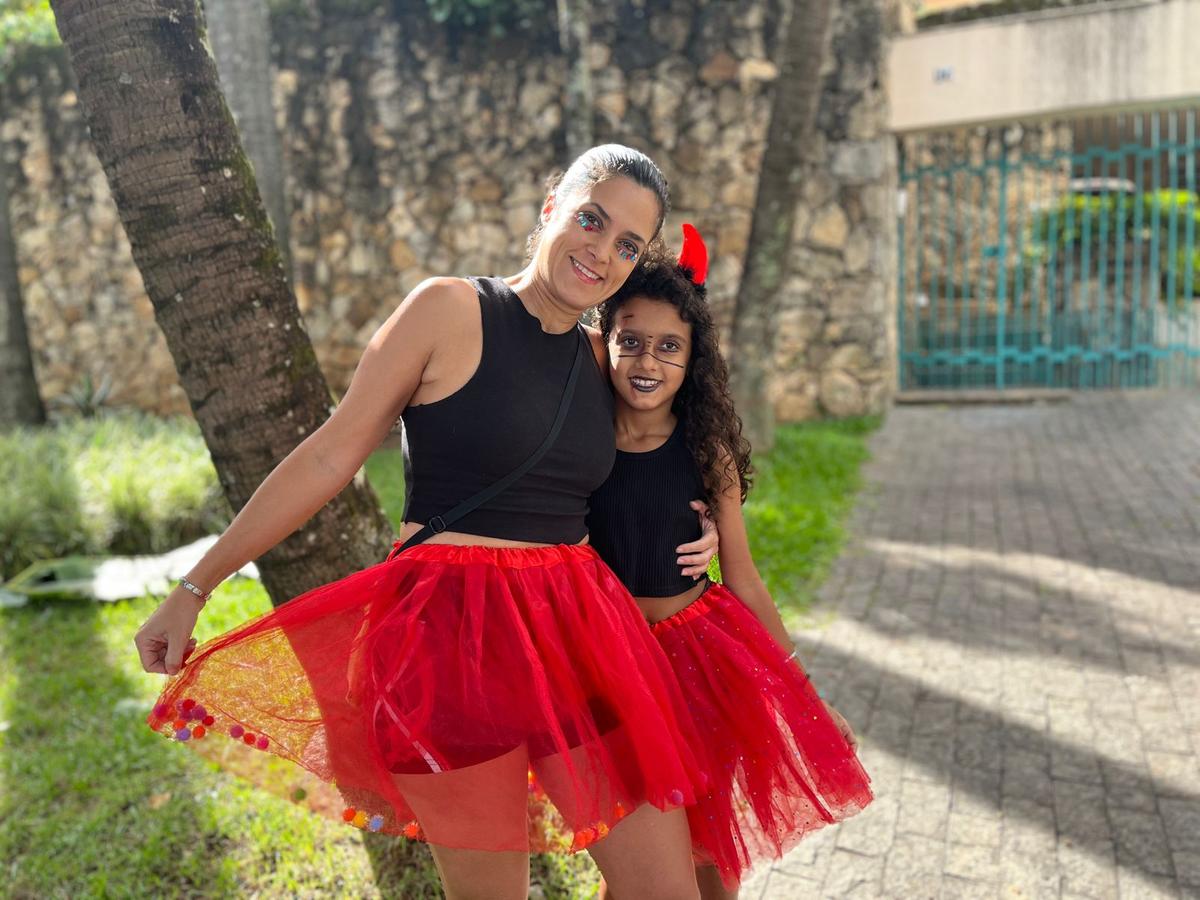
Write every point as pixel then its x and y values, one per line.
pixel 477 697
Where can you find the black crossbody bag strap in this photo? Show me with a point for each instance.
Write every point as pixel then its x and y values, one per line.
pixel 441 523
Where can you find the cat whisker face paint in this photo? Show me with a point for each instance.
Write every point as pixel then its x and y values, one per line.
pixel 668 349
pixel 649 353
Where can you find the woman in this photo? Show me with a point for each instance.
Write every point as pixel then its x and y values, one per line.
pixel 783 761
pixel 428 686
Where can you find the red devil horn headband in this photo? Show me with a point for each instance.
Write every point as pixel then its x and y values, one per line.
pixel 694 255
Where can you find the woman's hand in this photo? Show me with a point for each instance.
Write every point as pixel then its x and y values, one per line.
pixel 843 726
pixel 696 556
pixel 165 640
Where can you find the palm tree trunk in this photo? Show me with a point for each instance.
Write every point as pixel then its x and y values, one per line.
pixel 20 402
pixel 201 238
pixel 793 118
pixel 240 35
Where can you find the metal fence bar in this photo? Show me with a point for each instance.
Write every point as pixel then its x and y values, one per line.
pixel 1156 271
pixel 962 291
pixel 1050 339
pixel 1141 360
pixel 1192 345
pixel 1086 323
pixel 918 243
pixel 1102 373
pixel 1124 356
pixel 1022 323
pixel 1174 308
pixel 1001 257
pixel 1070 317
pixel 953 281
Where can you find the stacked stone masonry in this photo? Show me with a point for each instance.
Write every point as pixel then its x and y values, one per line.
pixel 409 152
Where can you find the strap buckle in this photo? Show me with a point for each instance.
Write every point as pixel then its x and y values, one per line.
pixel 437 524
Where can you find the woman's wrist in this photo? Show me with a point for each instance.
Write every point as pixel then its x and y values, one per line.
pixel 197 593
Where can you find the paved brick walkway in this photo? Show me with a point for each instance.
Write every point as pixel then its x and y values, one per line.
pixel 1015 633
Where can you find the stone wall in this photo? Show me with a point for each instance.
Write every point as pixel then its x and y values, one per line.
pixel 837 332
pixel 410 151
pixel 85 307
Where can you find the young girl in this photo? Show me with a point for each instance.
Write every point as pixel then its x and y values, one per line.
pixel 787 759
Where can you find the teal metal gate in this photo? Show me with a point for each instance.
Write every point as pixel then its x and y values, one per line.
pixel 1051 256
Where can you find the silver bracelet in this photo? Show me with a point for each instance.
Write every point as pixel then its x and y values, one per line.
pixel 187 585
pixel 794 656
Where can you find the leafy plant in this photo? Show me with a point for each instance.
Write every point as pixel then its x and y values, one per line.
pixel 1146 220
pixel 23 24
pixel 495 17
pixel 124 483
pixel 86 397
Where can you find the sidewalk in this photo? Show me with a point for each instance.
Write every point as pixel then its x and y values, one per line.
pixel 1014 631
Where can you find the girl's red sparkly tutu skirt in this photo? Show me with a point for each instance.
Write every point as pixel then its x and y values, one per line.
pixel 781 767
pixel 450 693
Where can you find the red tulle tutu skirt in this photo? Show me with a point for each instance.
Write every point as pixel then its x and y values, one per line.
pixel 781 767
pixel 477 697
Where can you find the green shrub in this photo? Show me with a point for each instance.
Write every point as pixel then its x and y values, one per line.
pixel 125 483
pixel 796 511
pixel 1077 219
pixel 24 24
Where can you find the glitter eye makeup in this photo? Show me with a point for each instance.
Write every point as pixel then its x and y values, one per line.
pixel 627 251
pixel 587 221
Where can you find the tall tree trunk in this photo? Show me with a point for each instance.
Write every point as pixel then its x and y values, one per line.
pixel 201 238
pixel 574 38
pixel 20 402
pixel 240 34
pixel 793 117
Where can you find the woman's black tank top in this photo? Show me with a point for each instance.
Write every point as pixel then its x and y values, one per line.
pixel 457 446
pixel 641 514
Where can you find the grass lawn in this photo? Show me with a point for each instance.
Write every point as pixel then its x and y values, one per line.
pixel 93 804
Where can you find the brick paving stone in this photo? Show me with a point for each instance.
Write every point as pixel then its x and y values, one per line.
pixel 1182 821
pixel 1137 886
pixel 1141 840
pixel 1187 868
pixel 924 808
pixel 1014 630
pixel 871 832
pixel 1086 872
pixel 980 832
pixel 954 888
pixel 1031 872
pixel 968 861
pixel 851 875
pixel 914 867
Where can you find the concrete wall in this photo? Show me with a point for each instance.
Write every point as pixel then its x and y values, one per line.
pixel 1103 57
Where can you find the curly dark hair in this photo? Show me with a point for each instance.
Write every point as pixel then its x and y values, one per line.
pixel 712 427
